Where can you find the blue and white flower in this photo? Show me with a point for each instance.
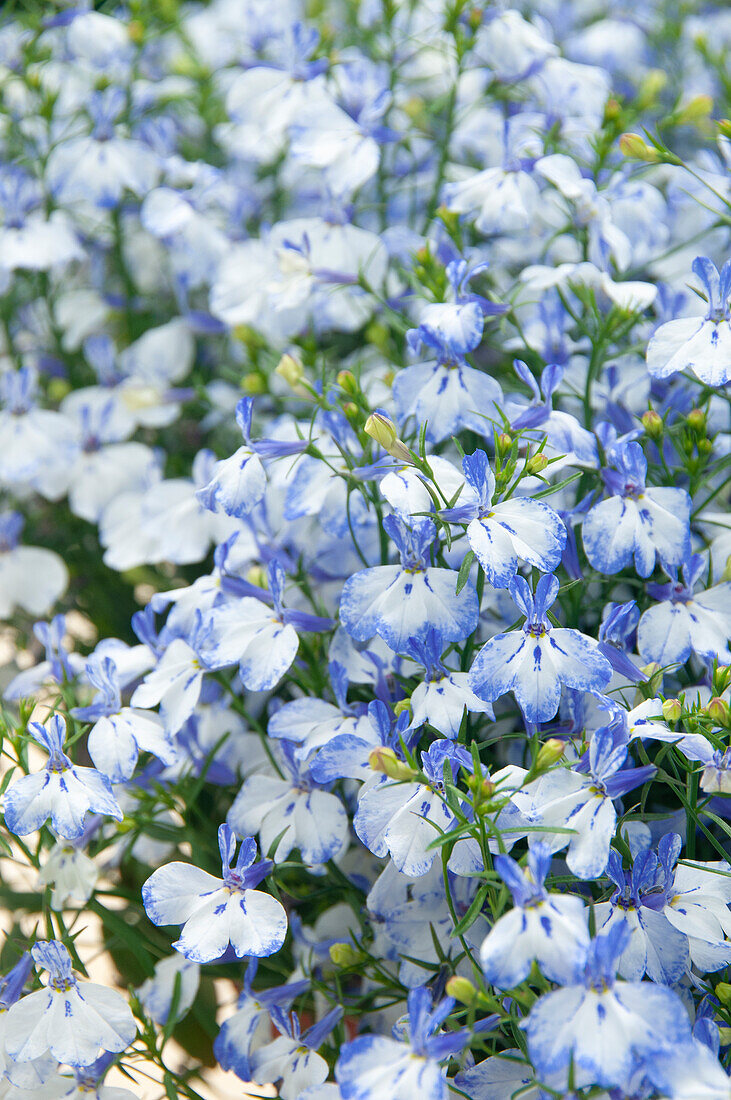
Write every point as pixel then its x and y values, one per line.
pixel 218 912
pixel 536 661
pixel 62 792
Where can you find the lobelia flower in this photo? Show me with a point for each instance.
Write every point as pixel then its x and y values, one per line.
pixel 292 1058
pixel 310 818
pixel 403 819
pixel 314 725
pixel 564 435
pixel 636 523
pixel 551 929
pixel 239 482
pixel 261 639
pixel 609 1028
pixel 99 167
pixel 503 197
pixel 40 446
pixel 11 990
pixel 410 1064
pixel 617 637
pixel 120 733
pixel 88 1083
pixel 216 912
pixel 71 1020
pixel 70 872
pixel 234 1043
pixel 508 1075
pixel 63 792
pixel 414 920
pixel 31 578
pixel 654 946
pixel 699 344
pixel 500 534
pixel 450 395
pixel 157 993
pixel 398 602
pixel 683 622
pixel 175 683
pixel 582 800
pixel 536 661
pixel 444 695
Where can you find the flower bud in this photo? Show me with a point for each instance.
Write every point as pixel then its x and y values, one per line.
pixel 257 576
pixel 717 711
pixel 723 992
pixel 635 147
pixel 383 430
pixel 482 790
pixel 672 710
pixel 697 108
pixel 651 86
pixel 549 754
pixel 722 674
pixel 612 109
pixel 652 423
pixel 504 443
pixel 536 464
pixel 402 706
pixel 345 955
pixel 461 989
pixel 347 381
pixel 136 31
pixel 254 383
pixel 385 760
pixel 290 369
pixel 697 420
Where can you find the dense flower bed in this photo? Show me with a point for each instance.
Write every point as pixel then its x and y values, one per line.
pixel 365 545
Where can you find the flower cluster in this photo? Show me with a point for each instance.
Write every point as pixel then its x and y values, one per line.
pixel 364 397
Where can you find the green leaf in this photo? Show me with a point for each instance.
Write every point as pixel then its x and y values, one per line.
pixel 464 570
pixel 473 912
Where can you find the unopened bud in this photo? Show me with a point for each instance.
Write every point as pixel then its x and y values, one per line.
pixel 697 108
pixel 723 992
pixel 697 420
pixel 385 760
pixel 254 383
pixel 705 446
pixel 652 423
pixel 651 86
pixel 612 109
pixel 402 706
pixel 722 674
pixel 461 989
pixel 549 754
pixel 290 369
pixel 717 711
pixel 345 955
pixel 136 31
pixel 449 219
pixel 351 410
pixel 346 380
pixel 504 443
pixel 383 430
pixel 482 789
pixel 257 576
pixel 672 710
pixel 536 464
pixel 636 148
